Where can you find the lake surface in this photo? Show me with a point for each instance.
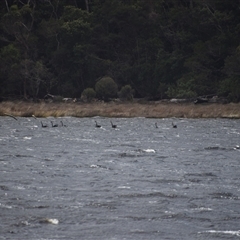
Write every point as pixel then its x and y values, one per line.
pixel 133 182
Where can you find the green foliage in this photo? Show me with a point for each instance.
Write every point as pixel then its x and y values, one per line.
pixel 88 94
pixel 126 93
pixel 183 89
pixel 162 89
pixel 171 92
pixel 10 54
pixel 10 70
pixel 230 88
pixel 186 88
pixel 75 25
pixel 160 48
pixel 106 88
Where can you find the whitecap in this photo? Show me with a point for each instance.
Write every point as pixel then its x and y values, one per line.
pixel 205 209
pixel 124 187
pixel 202 209
pixel 111 150
pixel 94 166
pixel 5 206
pixel 53 220
pixel 237 233
pixel 50 220
pixel 28 138
pixel 149 150
pixel 26 223
pixel 152 202
pixel 29 149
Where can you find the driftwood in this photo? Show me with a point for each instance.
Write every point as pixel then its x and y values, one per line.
pixel 210 99
pixel 200 100
pixel 10 116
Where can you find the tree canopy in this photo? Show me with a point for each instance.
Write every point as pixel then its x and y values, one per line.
pixel 161 49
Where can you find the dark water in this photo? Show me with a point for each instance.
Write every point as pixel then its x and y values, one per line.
pixel 133 182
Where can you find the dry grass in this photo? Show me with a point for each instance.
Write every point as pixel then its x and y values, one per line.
pixel 151 110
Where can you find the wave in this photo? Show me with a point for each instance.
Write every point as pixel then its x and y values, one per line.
pixel 229 232
pixel 224 195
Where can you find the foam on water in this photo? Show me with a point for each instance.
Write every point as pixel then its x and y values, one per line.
pixel 149 150
pixel 237 233
pixel 51 220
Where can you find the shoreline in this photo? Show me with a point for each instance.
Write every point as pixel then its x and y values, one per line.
pixel 121 110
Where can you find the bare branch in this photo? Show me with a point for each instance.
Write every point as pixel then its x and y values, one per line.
pixel 21 2
pixel 87 5
pixel 54 11
pixel 10 116
pixel 26 26
pixel 7 5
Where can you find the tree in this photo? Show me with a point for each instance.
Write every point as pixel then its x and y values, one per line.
pixel 188 47
pixel 10 58
pixel 126 93
pixel 88 94
pixel 106 88
pixel 70 60
pixel 18 23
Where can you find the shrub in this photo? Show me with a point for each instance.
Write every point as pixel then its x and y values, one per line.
pixel 88 94
pixel 106 88
pixel 57 98
pixel 126 93
pixel 230 87
pixel 161 91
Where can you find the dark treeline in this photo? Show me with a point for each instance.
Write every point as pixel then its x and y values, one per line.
pixel 161 48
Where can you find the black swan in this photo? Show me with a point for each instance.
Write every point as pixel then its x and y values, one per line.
pixel 97 125
pixel 113 125
pixel 54 124
pixel 44 125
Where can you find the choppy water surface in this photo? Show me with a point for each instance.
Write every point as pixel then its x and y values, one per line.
pixel 132 182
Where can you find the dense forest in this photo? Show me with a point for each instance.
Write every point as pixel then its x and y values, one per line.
pixel 160 48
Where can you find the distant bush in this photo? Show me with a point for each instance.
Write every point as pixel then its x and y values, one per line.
pixel 185 88
pixel 161 91
pixel 57 98
pixel 88 94
pixel 126 93
pixel 106 88
pixel 186 94
pixel 230 87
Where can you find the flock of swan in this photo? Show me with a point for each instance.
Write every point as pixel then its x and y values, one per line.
pixel 45 125
pixel 97 125
pixel 53 124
